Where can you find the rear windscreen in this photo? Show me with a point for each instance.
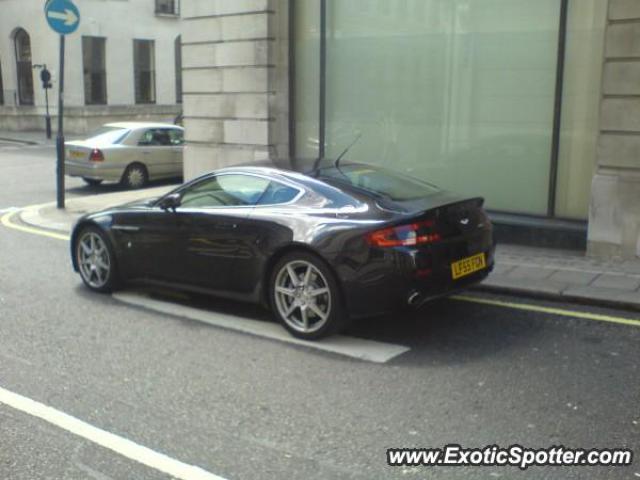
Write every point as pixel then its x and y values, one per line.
pixel 387 183
pixel 108 135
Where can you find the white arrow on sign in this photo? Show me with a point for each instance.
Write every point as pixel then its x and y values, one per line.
pixel 69 17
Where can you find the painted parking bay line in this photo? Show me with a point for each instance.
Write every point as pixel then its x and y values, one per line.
pixel 369 350
pixel 549 310
pixel 122 446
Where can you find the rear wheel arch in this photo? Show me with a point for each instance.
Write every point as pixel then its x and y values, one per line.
pixel 135 164
pixel 286 250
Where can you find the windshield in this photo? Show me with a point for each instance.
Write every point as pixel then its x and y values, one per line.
pixel 108 135
pixel 387 183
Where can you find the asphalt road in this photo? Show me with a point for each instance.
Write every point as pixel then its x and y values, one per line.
pixel 242 406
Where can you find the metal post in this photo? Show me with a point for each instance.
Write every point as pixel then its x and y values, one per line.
pixel 323 80
pixel 48 116
pixel 557 109
pixel 60 137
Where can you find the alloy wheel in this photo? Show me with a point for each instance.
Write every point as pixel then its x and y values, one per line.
pixel 302 296
pixel 94 260
pixel 135 177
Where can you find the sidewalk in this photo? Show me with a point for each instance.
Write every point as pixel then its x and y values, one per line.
pixel 538 272
pixel 562 274
pixel 26 138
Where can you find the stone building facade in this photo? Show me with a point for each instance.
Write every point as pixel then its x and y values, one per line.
pixel 235 75
pixel 105 78
pixel 614 215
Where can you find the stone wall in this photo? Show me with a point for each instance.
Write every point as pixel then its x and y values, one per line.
pixel 235 81
pixel 614 216
pixel 80 120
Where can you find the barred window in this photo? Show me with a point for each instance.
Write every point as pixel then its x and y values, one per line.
pixel 24 68
pixel 144 65
pixel 95 73
pixel 167 7
pixel 1 86
pixel 178 58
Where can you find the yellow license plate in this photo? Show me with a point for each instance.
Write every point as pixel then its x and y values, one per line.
pixel 468 265
pixel 77 154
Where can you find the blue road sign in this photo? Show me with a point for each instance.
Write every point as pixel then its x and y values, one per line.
pixel 62 15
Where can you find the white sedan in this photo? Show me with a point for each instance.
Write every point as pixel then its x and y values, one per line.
pixel 131 153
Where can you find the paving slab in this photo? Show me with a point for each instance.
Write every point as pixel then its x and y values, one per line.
pixel 620 282
pixel 530 273
pixel 508 283
pixel 605 295
pixel 573 277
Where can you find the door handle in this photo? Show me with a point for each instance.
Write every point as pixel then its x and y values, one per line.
pixel 226 226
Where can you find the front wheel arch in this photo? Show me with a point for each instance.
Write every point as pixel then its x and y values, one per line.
pixel 80 227
pixel 113 281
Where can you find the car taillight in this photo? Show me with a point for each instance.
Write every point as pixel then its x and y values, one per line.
pixel 96 156
pixel 417 233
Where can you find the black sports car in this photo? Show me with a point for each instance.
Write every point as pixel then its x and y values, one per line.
pixel 343 242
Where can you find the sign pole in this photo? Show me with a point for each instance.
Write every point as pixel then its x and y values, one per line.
pixel 48 116
pixel 63 17
pixel 60 137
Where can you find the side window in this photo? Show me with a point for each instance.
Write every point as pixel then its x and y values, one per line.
pixel 176 136
pixel 278 193
pixel 233 190
pixel 146 138
pixel 158 137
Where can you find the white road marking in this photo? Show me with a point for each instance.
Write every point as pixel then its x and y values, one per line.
pixel 362 349
pixel 122 446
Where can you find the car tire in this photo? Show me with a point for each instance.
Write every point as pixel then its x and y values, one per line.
pixel 310 305
pixel 92 182
pixel 135 176
pixel 96 260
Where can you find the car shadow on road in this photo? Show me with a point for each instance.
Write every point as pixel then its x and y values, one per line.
pixel 445 331
pixel 449 331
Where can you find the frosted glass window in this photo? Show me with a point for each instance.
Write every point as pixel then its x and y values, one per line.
pixel 457 92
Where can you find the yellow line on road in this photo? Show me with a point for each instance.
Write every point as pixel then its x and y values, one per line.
pixel 6 221
pixel 552 311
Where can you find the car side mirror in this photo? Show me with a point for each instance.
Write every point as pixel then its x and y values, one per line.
pixel 170 202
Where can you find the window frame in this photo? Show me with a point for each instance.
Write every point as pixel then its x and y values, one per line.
pixel 153 94
pixel 554 153
pixel 101 41
pixel 19 35
pixel 175 12
pixel 177 54
pixel 1 85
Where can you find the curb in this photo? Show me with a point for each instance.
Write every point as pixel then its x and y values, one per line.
pixel 31 216
pixel 560 297
pixel 19 142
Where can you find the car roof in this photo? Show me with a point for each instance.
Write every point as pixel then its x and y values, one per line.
pixel 265 170
pixel 339 195
pixel 139 125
